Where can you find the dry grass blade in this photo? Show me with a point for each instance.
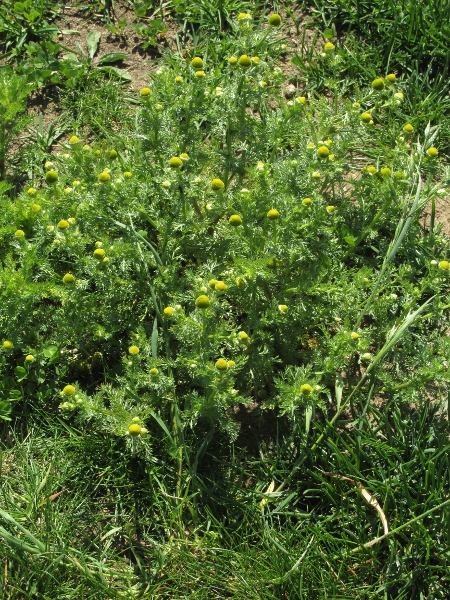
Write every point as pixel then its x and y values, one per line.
pixel 269 490
pixel 368 497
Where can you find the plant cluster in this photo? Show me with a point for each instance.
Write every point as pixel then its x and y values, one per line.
pixel 232 252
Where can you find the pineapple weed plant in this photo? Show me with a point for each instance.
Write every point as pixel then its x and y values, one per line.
pixel 233 251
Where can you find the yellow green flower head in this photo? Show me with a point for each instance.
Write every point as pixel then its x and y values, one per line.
pixel 233 60
pixel 385 172
pixel 371 170
pixel 282 308
pixel 154 372
pixel 128 174
pixel 68 278
pixel 69 390
pixel 244 16
pixel 71 220
pixel 19 233
pixel 306 389
pixel 433 152
pixel 112 154
pixel 301 100
pixel 328 48
pixel 104 177
pixel 323 152
pixel 231 363
pixel 356 105
pixel 391 78
pixel 220 286
pixel 145 91
pixel 134 430
pixel 199 74
pixel 175 162
pixel 408 128
pixel 29 358
pixel 99 253
pixel 273 263
pixel 7 345
pixel 366 117
pixel 330 209
pixel 245 61
pixel 217 185
pixel 144 431
pixel 306 201
pixel 354 335
pixel 275 20
pixel 273 214
pixel 399 175
pixel 202 302
pixel 197 63
pixel 316 175
pixel 86 148
pixel 243 336
pixel 133 350
pixel 98 244
pixel 168 311
pixel 184 157
pixel 399 97
pixel 221 364
pixel 378 84
pixel 178 79
pixel 367 356
pixel 49 228
pixel 51 176
pixel 445 265
pixel 63 224
pixel 212 283
pixel 166 184
pixel 74 140
pixel 255 60
pixel 235 220
pixel 31 191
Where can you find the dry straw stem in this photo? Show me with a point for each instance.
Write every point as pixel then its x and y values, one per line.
pixel 366 495
pixel 400 527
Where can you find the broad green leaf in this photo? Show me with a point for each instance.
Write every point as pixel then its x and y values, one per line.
pixel 92 42
pixel 117 72
pixel 111 57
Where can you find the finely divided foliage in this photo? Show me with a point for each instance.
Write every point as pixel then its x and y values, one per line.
pixel 224 335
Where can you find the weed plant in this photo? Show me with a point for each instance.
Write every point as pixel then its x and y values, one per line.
pixel 382 37
pixel 224 353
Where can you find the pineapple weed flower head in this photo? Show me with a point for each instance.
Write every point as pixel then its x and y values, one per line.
pixel 275 20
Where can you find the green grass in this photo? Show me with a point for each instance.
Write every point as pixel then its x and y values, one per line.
pixel 252 479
